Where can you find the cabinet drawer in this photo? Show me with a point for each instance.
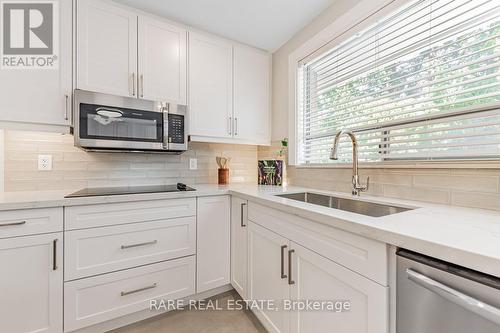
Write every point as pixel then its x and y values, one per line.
pixel 81 217
pixel 103 250
pixel 362 255
pixel 30 221
pixel 97 299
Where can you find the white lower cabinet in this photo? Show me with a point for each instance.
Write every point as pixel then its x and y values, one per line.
pixel 31 284
pixel 239 244
pixel 267 278
pixel 97 299
pixel 213 242
pixel 293 276
pixel 362 302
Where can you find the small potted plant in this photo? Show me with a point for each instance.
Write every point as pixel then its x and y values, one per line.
pixel 283 149
pixel 272 171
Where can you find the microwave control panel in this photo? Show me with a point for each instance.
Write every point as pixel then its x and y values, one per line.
pixel 175 128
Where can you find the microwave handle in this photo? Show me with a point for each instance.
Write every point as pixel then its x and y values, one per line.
pixel 165 127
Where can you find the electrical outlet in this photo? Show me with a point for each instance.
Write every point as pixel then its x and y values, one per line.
pixel 193 164
pixel 44 162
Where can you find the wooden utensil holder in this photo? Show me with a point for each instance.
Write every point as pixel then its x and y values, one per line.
pixel 223 176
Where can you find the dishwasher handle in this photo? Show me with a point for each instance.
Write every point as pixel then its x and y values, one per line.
pixel 467 302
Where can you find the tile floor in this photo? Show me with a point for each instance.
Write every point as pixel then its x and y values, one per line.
pixel 196 321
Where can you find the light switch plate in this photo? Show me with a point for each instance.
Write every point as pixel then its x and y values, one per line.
pixel 44 162
pixel 193 164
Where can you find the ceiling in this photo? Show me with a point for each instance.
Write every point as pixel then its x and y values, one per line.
pixel 266 24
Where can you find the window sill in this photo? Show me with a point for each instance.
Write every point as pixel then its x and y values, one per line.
pixel 459 164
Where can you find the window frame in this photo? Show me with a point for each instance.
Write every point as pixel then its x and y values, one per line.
pixel 361 16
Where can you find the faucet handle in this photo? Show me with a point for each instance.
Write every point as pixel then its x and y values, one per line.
pixel 357 187
pixel 367 186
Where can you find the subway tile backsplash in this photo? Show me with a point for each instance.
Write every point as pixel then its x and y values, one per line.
pixel 74 168
pixel 475 188
pixel 461 187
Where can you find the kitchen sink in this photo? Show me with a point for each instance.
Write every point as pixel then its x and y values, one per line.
pixel 350 205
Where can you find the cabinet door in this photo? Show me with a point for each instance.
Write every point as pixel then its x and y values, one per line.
pixel 41 96
pixel 210 86
pixel 106 48
pixel 213 242
pixel 162 61
pixel 239 243
pixel 267 276
pixel 251 95
pixel 317 278
pixel 31 284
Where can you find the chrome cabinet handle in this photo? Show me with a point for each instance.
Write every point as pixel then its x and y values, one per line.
pixel 465 301
pixel 133 84
pixel 125 293
pixel 54 255
pixel 283 275
pixel 290 281
pixel 66 99
pixel 8 224
pixel 142 85
pixel 242 211
pixel 229 125
pixel 138 244
pixel 235 126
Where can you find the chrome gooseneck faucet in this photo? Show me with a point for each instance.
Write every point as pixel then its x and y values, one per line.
pixel 357 188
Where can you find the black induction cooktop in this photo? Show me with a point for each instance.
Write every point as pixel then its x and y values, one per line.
pixel 101 191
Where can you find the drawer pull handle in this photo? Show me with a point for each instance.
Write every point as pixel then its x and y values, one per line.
pixel 139 244
pixel 12 223
pixel 125 293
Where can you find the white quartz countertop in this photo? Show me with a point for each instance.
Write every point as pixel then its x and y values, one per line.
pixel 44 199
pixel 467 237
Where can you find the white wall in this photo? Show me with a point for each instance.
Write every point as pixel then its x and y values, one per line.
pixel 280 64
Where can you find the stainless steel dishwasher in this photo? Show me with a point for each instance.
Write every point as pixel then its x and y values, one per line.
pixel 438 297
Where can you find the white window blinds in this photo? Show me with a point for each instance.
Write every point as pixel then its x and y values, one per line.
pixel 422 83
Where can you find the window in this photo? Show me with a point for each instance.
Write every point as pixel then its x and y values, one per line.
pixel 420 84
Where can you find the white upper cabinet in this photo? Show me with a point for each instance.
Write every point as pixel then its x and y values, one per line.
pixel 106 48
pixel 162 61
pixel 41 96
pixel 251 95
pixel 123 53
pixel 229 91
pixel 210 87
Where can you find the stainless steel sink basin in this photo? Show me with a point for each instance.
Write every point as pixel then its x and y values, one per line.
pixel 350 205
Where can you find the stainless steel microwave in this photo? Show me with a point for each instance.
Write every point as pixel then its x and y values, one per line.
pixel 113 123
